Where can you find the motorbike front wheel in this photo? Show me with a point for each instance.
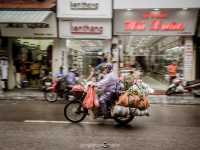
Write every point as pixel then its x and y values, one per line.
pixel 124 121
pixel 74 112
pixel 50 96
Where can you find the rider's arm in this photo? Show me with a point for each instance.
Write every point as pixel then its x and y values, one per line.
pixel 102 83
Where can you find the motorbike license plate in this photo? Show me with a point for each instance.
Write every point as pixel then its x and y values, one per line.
pixel 47 83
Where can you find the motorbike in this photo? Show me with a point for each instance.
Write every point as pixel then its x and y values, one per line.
pixel 54 90
pixel 75 112
pixel 195 86
pixel 60 89
pixel 45 82
pixel 179 86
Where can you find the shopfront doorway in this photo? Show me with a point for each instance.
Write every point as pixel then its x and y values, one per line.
pixel 152 55
pixel 154 38
pixel 32 60
pixel 84 54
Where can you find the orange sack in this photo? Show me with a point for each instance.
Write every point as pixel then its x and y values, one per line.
pixel 133 101
pixel 90 100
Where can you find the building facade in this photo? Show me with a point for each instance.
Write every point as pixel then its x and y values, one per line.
pixel 150 34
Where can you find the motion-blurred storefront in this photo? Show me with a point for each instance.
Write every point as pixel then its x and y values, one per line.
pixel 30 30
pixel 155 35
pixel 87 28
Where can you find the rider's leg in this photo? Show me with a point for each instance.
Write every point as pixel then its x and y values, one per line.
pixel 103 100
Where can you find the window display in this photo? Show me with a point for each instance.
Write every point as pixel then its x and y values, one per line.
pixel 152 55
pixel 31 62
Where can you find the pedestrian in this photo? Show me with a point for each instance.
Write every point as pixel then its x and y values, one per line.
pixel 172 71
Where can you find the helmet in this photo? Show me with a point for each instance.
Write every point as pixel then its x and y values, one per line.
pixel 109 66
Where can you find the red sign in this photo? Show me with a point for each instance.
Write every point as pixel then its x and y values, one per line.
pixel 172 26
pixel 86 29
pixel 155 15
pixel 156 24
pixel 135 25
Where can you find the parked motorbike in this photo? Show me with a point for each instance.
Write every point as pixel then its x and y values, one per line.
pixel 179 86
pixel 75 112
pixel 195 86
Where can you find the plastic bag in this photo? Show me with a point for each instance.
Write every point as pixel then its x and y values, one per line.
pixel 78 88
pixel 91 100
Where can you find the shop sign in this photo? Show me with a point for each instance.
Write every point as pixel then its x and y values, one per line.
pixel 152 4
pixel 156 25
pixel 48 28
pixel 81 29
pixel 33 26
pixel 84 9
pixel 83 6
pixel 86 29
pixel 147 22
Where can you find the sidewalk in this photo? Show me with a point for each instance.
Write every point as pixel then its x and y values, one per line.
pixel 22 94
pixel 158 98
pixel 174 100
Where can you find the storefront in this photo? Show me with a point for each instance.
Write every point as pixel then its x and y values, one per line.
pixel 86 24
pixel 154 38
pixel 31 39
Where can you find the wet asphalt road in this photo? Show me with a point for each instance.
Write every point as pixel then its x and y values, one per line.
pixel 170 127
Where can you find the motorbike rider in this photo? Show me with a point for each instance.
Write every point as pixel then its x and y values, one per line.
pixel 109 86
pixel 71 77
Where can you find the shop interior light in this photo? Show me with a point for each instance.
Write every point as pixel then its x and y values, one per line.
pixel 129 9
pixel 185 8
pixel 156 9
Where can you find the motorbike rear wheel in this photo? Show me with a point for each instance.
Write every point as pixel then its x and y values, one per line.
pixel 74 111
pixel 124 121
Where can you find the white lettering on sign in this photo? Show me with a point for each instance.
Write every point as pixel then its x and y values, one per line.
pixel 83 6
pixel 86 29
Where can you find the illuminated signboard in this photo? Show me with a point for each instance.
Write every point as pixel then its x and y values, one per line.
pixel 156 23
pixel 155 26
pixel 148 22
pixel 86 29
pixel 83 6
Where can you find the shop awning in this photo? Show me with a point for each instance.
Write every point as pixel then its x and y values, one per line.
pixel 23 16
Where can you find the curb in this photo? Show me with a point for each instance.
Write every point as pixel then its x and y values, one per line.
pixel 154 99
pixel 174 100
pixel 31 98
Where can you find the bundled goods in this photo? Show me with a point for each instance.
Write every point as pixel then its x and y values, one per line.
pixel 136 96
pixel 122 111
pixel 140 88
pixel 133 101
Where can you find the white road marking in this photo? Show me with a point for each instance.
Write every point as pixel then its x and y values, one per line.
pixel 58 122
